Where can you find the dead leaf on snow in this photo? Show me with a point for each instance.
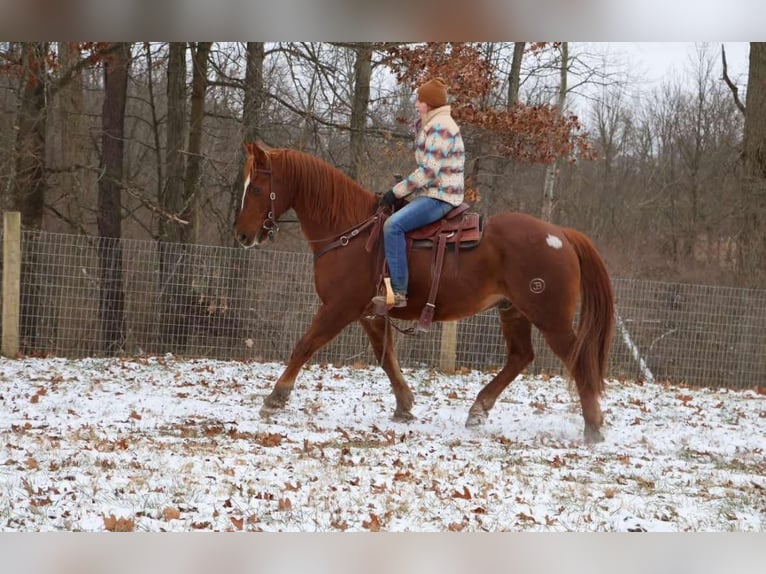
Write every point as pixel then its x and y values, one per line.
pixel 237 522
pixel 114 524
pixel 373 524
pixel 171 513
pixel 269 439
pixel 339 524
pixel 466 494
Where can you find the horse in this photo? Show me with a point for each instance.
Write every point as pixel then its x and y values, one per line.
pixel 533 272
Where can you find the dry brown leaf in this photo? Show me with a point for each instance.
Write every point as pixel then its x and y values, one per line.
pixel 284 504
pixel 466 494
pixel 269 439
pixel 114 524
pixel 171 513
pixel 373 524
pixel 135 415
pixel 238 523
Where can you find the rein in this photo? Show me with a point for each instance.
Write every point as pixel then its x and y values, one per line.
pixel 343 239
pixel 271 225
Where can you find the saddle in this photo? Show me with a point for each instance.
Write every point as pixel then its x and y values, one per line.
pixel 459 229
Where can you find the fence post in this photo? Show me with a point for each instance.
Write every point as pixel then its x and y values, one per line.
pixel 11 282
pixel 448 347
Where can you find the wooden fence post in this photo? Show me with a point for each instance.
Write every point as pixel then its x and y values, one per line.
pixel 11 282
pixel 448 347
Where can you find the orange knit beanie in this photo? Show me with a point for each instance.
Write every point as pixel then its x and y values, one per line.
pixel 433 93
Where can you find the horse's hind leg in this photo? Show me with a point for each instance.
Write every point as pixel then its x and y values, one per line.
pixel 517 331
pixel 383 346
pixel 561 342
pixel 327 323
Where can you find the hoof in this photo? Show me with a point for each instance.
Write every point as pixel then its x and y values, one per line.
pixel 267 411
pixel 593 436
pixel 476 419
pixel 403 417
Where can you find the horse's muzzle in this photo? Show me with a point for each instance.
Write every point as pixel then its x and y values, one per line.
pixel 246 240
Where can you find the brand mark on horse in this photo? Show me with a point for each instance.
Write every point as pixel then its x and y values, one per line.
pixel 537 285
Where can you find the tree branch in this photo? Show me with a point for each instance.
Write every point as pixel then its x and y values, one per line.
pixel 734 89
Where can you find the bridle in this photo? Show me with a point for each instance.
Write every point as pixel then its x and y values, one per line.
pixel 270 224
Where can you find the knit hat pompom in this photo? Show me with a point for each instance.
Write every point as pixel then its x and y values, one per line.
pixel 433 93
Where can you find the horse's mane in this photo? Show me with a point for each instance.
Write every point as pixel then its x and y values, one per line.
pixel 323 188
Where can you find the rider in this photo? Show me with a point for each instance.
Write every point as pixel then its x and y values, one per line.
pixel 432 190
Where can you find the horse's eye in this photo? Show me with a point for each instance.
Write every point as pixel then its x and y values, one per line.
pixel 255 189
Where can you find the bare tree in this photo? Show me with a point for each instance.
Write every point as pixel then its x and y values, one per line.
pixel 172 195
pixel 28 191
pixel 192 192
pixel 550 171
pixel 359 106
pixel 753 250
pixel 514 76
pixel 112 301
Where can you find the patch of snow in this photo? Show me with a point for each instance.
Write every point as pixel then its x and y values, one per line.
pixel 169 445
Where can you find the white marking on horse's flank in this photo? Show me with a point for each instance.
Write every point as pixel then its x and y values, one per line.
pixel 244 191
pixel 554 241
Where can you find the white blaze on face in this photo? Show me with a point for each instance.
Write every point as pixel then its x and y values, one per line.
pixel 554 241
pixel 244 192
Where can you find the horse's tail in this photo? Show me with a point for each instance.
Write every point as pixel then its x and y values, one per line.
pixel 588 360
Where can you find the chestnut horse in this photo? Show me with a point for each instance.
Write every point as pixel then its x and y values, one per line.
pixel 533 272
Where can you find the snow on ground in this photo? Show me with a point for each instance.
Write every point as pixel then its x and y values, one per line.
pixel 159 444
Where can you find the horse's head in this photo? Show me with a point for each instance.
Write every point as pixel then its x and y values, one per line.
pixel 256 219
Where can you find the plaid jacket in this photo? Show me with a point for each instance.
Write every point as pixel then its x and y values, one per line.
pixel 440 155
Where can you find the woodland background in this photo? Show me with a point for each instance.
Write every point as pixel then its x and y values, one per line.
pixel 142 141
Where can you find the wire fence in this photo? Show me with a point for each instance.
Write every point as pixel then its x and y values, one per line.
pixel 228 303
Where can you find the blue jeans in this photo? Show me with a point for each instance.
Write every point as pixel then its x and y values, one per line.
pixel 417 213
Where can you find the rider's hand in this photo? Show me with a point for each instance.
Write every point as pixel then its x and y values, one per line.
pixel 388 198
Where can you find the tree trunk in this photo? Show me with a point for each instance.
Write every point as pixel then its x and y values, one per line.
pixel 359 106
pixel 28 186
pixel 755 117
pixel 172 198
pixel 552 169
pixel 514 78
pixel 175 292
pixel 251 114
pixel 70 113
pixel 112 302
pixel 753 248
pixel 190 233
pixel 28 191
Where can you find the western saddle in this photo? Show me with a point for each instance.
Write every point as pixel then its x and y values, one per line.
pixel 459 229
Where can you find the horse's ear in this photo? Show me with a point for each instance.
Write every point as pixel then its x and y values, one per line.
pixel 260 153
pixel 248 148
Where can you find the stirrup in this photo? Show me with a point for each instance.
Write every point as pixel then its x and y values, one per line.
pixel 382 303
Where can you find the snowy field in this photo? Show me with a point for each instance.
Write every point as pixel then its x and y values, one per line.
pixel 161 444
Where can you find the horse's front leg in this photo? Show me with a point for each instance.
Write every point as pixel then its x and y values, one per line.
pixel 329 320
pixel 383 346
